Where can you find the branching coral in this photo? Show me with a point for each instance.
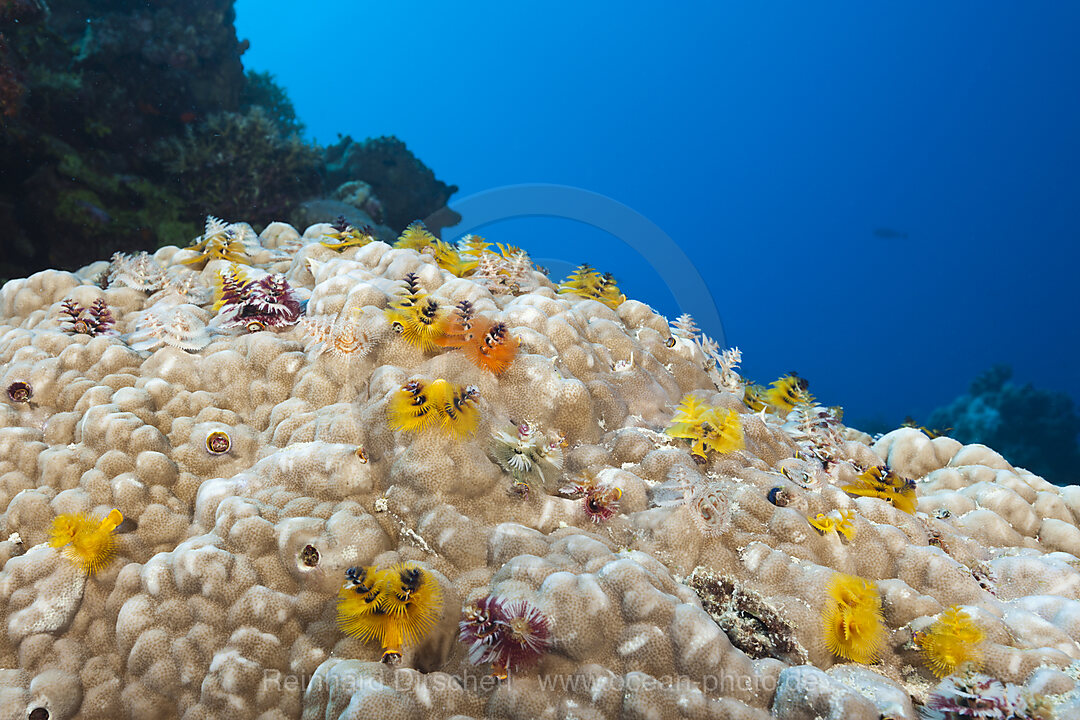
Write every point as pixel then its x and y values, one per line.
pixel 509 634
pixel 1031 427
pixel 407 188
pixel 852 619
pixel 237 163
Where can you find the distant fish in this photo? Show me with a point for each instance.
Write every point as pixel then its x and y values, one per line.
pixel 94 212
pixel 889 234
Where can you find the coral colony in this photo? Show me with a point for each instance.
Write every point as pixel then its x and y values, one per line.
pixel 390 467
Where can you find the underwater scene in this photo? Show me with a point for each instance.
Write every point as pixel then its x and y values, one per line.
pixel 539 362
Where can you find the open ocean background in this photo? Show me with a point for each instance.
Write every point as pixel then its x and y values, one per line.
pixel 770 141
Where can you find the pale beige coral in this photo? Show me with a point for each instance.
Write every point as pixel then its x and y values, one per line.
pixel 221 601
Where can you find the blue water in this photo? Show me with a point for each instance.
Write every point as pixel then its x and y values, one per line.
pixel 769 140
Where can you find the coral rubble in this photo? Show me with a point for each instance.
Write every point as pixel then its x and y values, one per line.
pixel 290 476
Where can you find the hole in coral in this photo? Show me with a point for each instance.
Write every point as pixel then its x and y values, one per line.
pixel 20 392
pixel 39 713
pixel 309 556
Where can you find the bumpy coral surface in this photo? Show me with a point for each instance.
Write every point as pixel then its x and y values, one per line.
pixel 253 469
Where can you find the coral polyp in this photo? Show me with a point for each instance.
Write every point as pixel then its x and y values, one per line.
pixel 86 540
pixel 599 499
pixel 527 454
pixel 411 408
pixel 709 429
pixel 882 482
pixel 417 317
pixel 396 606
pixel 509 634
pixel 787 393
pixel 218 442
pixel 345 236
pixel 852 620
pixel 420 405
pixel 840 522
pixel 950 642
pixel 588 283
pixel 20 392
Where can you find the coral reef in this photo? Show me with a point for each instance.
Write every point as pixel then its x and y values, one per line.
pixel 407 188
pixel 124 120
pixel 241 164
pixel 97 85
pixel 331 519
pixel 1035 429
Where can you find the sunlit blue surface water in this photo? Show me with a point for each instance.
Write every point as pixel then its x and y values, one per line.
pixel 769 140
